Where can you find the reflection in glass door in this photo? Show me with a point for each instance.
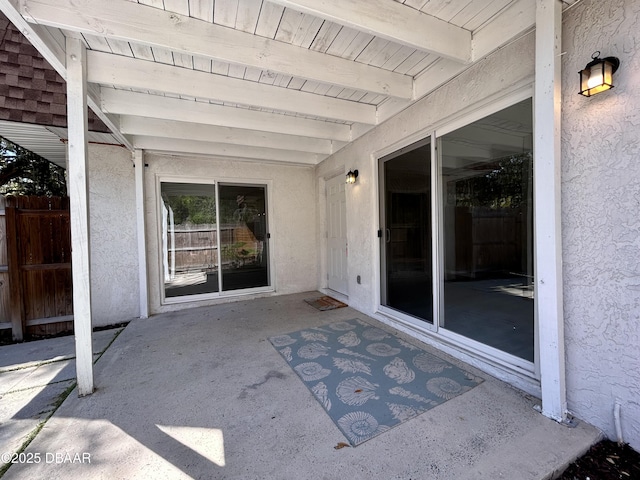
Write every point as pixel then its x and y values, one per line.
pixel 487 174
pixel 243 236
pixel 189 239
pixel 405 234
pixel 208 229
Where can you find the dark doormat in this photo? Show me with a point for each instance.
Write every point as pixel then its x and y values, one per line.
pixel 325 303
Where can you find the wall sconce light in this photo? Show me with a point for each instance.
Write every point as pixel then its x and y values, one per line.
pixel 597 76
pixel 351 176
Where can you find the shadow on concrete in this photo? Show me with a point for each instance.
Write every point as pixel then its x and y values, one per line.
pixel 203 394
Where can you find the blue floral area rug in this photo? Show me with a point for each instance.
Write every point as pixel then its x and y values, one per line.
pixel 369 380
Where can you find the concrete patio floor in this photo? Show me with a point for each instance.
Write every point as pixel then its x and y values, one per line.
pixel 34 377
pixel 201 393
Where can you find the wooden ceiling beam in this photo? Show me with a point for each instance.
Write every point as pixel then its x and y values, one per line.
pixel 153 127
pixel 133 22
pixel 109 69
pixel 241 152
pixel 121 102
pixel 517 19
pixel 393 21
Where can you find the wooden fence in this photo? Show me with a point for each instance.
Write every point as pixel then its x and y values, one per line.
pixel 195 247
pixel 5 294
pixel 38 252
pixel 490 241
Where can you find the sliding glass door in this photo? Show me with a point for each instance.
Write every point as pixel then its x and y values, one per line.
pixel 487 228
pixel 405 219
pixel 189 239
pixel 243 236
pixel 482 224
pixel 214 238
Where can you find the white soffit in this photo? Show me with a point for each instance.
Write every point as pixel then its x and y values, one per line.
pixel 37 139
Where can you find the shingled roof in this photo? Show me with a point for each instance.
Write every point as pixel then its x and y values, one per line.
pixel 31 91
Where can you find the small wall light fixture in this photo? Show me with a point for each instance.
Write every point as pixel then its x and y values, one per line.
pixel 597 76
pixel 351 176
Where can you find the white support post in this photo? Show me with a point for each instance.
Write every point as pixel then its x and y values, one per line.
pixel 138 159
pixel 76 58
pixel 172 229
pixel 548 263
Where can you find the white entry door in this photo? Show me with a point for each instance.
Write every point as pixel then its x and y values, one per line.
pixel 337 235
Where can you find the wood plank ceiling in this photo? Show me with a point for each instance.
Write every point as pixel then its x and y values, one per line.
pixel 277 80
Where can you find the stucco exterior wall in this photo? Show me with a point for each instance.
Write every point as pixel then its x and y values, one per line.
pixel 292 199
pixel 114 256
pixel 600 219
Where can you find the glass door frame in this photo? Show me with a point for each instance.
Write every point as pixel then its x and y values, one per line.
pixel 494 355
pixel 215 183
pixel 235 183
pixel 482 351
pixel 380 159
